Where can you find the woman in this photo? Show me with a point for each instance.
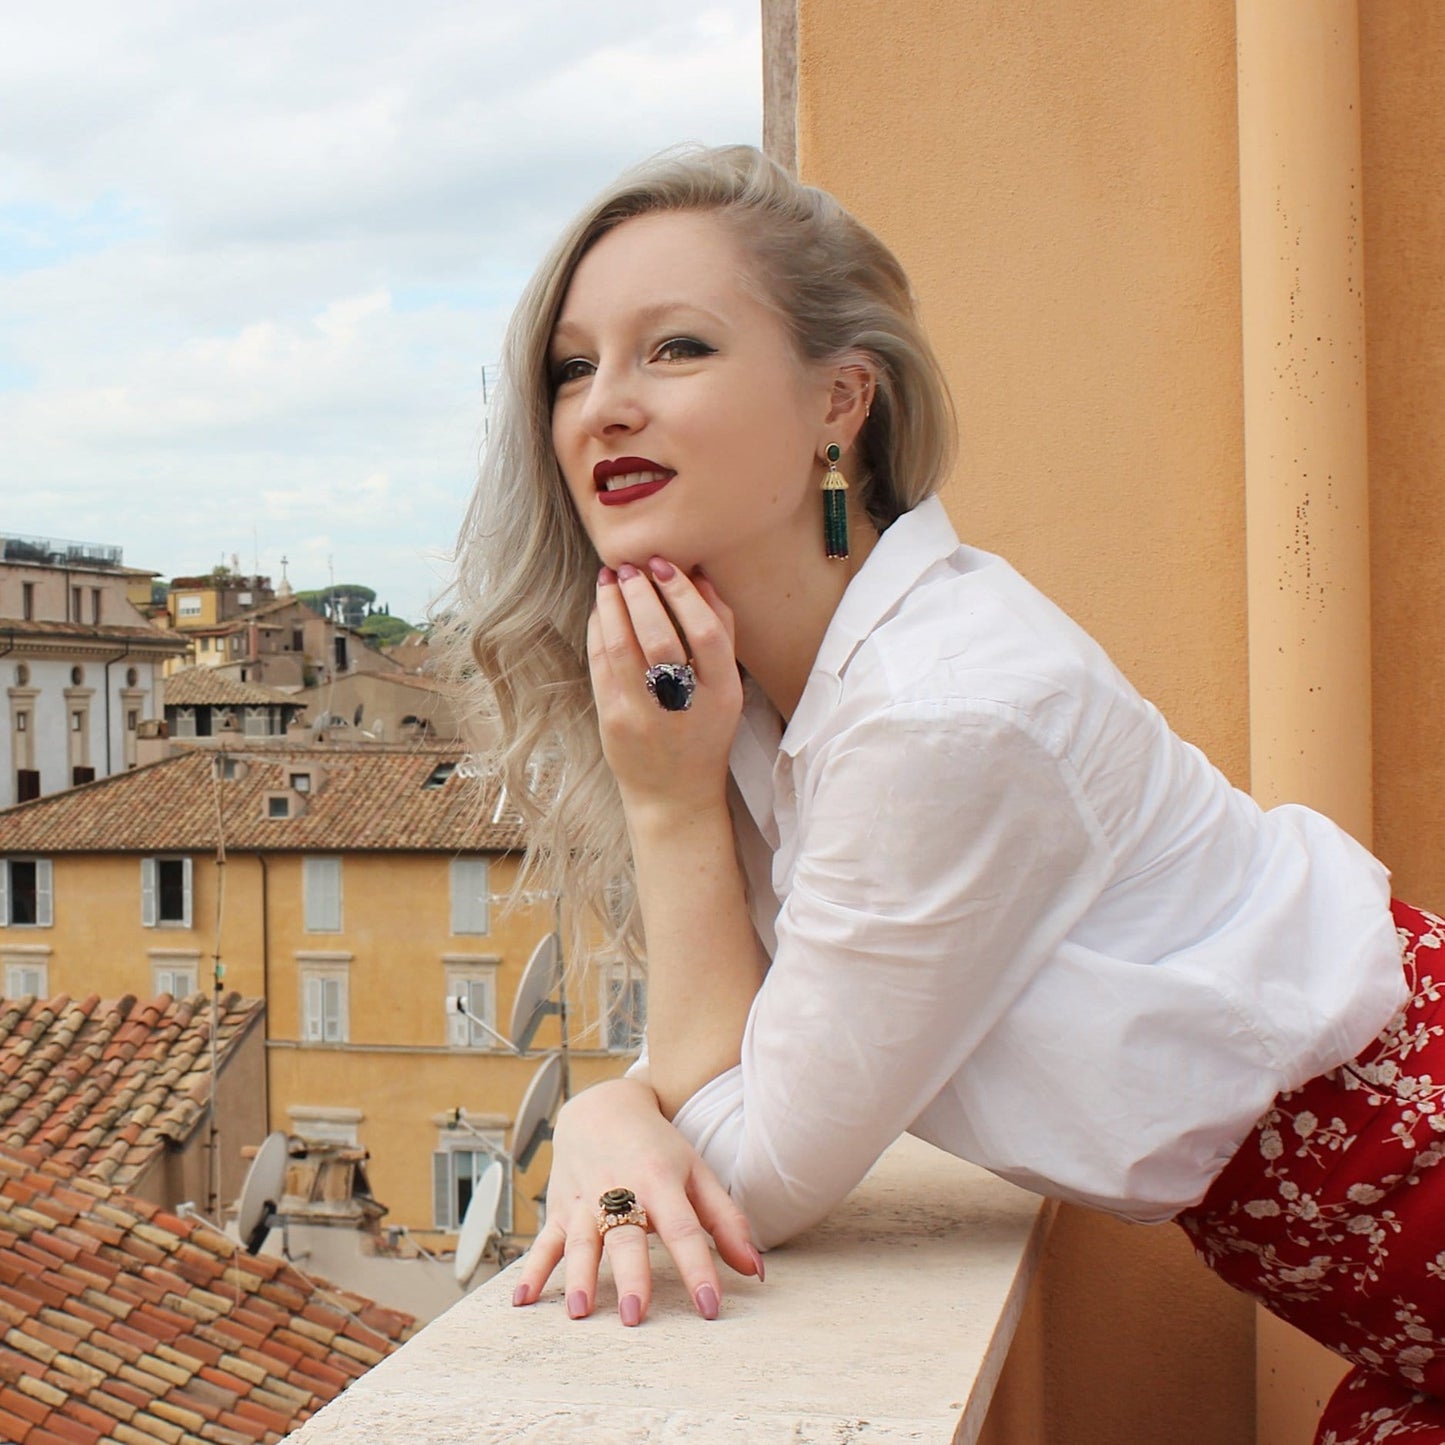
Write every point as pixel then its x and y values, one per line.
pixel 905 850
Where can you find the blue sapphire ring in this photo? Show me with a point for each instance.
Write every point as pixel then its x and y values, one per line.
pixel 672 685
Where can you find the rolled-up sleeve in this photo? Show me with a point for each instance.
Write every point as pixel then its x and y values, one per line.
pixel 943 851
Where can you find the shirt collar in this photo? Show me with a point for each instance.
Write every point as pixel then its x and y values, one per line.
pixel 911 545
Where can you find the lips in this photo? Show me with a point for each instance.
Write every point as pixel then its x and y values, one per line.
pixel 628 479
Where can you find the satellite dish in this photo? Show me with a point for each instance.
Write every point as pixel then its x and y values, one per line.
pixel 534 1118
pixel 533 1003
pixel 257 1213
pixel 479 1225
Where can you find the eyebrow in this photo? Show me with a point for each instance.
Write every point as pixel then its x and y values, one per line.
pixel 647 316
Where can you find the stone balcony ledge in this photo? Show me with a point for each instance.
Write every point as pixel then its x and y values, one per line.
pixel 887 1323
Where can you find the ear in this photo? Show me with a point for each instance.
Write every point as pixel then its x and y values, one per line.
pixel 850 399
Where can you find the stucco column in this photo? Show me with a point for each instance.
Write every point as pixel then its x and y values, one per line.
pixel 1307 497
pixel 1306 481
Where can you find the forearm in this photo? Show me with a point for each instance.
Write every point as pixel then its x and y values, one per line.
pixel 703 958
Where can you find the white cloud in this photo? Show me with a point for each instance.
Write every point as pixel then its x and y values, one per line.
pixel 253 256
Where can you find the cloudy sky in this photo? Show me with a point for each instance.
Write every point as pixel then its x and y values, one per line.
pixel 254 256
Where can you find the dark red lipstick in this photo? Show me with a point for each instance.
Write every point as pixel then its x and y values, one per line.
pixel 648 477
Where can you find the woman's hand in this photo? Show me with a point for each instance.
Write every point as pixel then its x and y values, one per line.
pixel 645 618
pixel 612 1136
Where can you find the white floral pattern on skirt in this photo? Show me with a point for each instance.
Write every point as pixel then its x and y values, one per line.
pixel 1332 1213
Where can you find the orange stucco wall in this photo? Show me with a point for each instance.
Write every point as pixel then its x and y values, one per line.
pixel 1062 181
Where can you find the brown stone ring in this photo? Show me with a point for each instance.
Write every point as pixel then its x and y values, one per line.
pixel 619 1206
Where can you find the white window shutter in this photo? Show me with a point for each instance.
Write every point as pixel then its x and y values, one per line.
pixel 186 891
pixel 148 892
pixel 44 894
pixel 442 1194
pixel 313 1009
pixel 334 1031
pixel 458 1025
pixel 469 895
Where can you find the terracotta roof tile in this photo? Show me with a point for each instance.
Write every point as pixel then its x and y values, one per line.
pixel 408 798
pixel 78 1088
pixel 170 1369
pixel 208 686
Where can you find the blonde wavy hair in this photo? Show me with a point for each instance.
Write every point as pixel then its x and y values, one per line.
pixel 516 612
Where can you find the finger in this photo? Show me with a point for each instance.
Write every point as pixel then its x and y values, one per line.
pixel 713 598
pixel 708 641
pixel 616 633
pixel 625 1246
pixel 689 1245
pixel 536 1266
pixel 656 633
pixel 581 1257
pixel 724 1221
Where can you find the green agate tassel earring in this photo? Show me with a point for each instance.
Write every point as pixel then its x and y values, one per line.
pixel 835 505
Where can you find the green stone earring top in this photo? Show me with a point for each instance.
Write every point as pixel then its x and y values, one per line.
pixel 834 453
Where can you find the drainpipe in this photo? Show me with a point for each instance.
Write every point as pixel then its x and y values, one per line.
pixel 1306 480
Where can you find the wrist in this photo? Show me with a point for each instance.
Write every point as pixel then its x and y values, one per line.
pixel 665 820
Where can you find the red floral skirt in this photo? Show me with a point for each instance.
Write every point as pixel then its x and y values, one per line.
pixel 1332 1214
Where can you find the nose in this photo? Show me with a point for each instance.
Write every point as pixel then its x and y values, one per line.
pixel 612 405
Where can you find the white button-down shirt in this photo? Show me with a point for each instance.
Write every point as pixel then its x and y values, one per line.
pixel 1010 912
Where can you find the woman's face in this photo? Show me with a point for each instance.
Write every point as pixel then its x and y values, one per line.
pixel 684 423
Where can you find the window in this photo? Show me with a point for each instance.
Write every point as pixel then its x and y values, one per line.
pixel 77 676
pixel 624 1002
pixel 324 1003
pixel 22 722
pixel 27 602
pixel 26 893
pixel 469 895
pixel 77 719
pixel 299 782
pixel 456 1172
pixel 22 670
pixel 257 721
pixel 27 980
pixel 75 596
pixel 165 892
pixel 474 981
pixel 339 652
pixel 185 722
pixel 176 979
pixel 188 604
pixel 321 889
pixel 95 606
pixel 278 805
pixel 296 640
pixel 132 719
pixel 132 677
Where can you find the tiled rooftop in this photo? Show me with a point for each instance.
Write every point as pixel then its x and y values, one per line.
pixel 122 1322
pixel 102 1087
pixel 369 797
pixel 206 686
pixel 137 634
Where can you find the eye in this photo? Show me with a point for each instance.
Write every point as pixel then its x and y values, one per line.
pixel 573 369
pixel 684 348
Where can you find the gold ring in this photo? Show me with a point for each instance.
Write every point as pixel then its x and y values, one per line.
pixel 619 1206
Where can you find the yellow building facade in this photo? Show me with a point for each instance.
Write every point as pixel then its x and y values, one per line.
pixel 358 943
pixel 1185 269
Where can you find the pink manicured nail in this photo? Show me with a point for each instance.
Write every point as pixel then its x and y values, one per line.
pixel 630 1310
pixel 522 1294
pixel 661 569
pixel 757 1263
pixel 706 1301
pixel 577 1304
pixel 606 577
pixel 626 572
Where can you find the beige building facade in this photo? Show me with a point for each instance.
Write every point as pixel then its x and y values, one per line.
pixel 1185 268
